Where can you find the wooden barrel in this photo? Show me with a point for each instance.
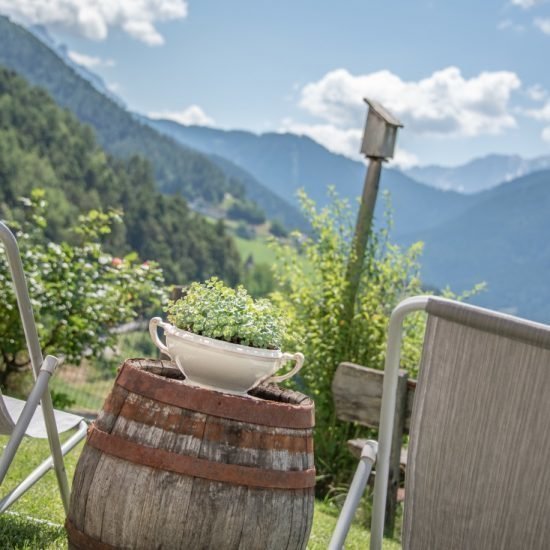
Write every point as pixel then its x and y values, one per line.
pixel 167 465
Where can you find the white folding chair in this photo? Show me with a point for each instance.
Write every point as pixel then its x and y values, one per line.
pixel 479 448
pixel 34 417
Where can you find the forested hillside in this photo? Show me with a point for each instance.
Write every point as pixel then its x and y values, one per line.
pixel 177 169
pixel 42 145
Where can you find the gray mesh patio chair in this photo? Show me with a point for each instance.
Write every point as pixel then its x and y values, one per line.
pixel 34 417
pixel 478 469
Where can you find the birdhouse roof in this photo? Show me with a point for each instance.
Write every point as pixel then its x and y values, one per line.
pixel 380 111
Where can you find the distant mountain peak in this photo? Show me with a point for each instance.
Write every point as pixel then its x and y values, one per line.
pixel 479 173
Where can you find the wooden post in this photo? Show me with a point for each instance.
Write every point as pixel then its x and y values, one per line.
pixel 395 455
pixel 360 240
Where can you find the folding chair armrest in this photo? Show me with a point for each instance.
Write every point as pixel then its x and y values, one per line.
pixel 40 386
pixel 356 490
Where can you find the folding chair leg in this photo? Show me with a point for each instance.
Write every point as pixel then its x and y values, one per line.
pixel 56 449
pixel 43 469
pixel 356 490
pixel 29 409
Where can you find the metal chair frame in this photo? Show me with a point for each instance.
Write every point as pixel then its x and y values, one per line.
pixel 42 371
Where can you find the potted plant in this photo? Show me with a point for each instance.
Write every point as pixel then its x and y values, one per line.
pixel 222 339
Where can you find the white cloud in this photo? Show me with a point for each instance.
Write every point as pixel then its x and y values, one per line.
pixel 338 140
pixel 526 4
pixel 443 104
pixel 93 18
pixel 542 114
pixel 536 93
pixel 114 87
pixel 508 24
pixel 542 23
pixel 404 159
pixel 192 116
pixel 89 61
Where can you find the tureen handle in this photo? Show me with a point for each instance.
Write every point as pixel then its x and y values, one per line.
pixel 153 324
pixel 298 357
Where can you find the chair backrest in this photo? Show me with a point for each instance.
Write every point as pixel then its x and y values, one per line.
pixel 478 472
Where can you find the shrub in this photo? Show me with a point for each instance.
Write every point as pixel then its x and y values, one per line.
pixel 310 274
pixel 214 310
pixel 78 291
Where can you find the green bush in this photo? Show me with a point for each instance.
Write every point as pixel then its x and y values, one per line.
pixel 78 291
pixel 214 310
pixel 311 276
pixel 311 279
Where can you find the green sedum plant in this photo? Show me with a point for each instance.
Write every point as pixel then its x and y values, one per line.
pixel 217 311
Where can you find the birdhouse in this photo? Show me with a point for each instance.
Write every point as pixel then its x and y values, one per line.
pixel 380 132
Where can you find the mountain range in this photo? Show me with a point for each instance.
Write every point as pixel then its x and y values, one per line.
pixel 287 162
pixel 177 169
pixel 480 173
pixel 502 239
pixel 495 230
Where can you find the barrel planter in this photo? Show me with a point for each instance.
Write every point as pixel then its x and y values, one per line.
pixel 167 465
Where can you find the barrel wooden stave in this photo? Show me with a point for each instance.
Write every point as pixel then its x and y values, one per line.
pixel 129 505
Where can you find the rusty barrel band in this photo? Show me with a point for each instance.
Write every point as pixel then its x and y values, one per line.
pixel 161 459
pixel 82 541
pixel 215 431
pixel 244 409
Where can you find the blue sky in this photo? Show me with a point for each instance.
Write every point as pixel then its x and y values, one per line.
pixel 467 78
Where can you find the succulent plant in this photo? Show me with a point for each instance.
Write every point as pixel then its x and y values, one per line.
pixel 217 311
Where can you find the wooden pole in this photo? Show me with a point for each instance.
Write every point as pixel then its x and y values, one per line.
pixel 361 237
pixel 395 455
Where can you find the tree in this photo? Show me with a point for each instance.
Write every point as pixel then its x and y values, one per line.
pixel 247 211
pixel 277 229
pixel 78 291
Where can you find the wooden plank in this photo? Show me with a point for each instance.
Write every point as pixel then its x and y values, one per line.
pixel 357 394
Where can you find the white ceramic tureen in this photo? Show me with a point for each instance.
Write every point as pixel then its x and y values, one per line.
pixel 218 365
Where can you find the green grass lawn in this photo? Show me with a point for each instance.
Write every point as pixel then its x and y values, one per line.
pixel 43 503
pixel 258 248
